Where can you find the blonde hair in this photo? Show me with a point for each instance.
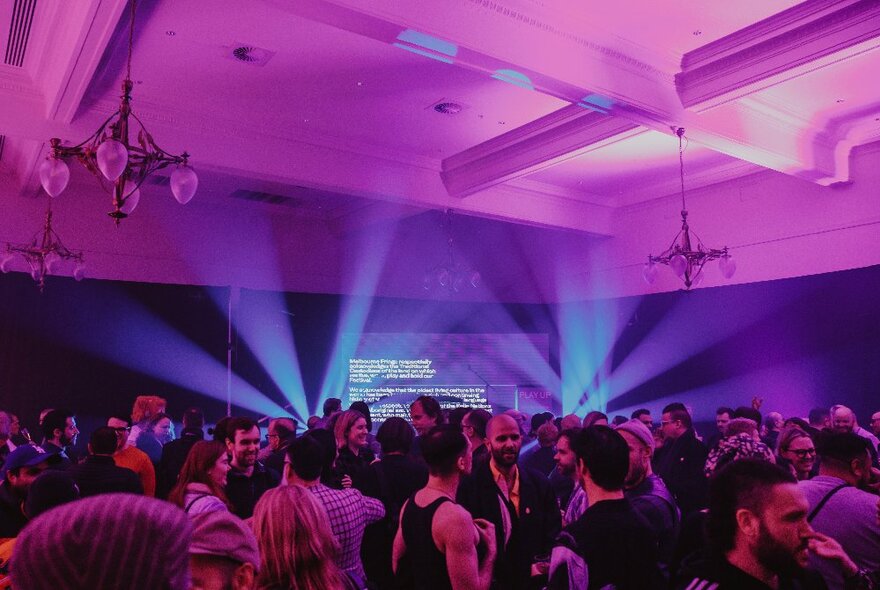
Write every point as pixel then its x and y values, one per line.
pixel 344 423
pixel 145 406
pixel 296 546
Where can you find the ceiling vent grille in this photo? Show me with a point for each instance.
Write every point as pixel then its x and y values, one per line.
pixel 19 31
pixel 268 198
pixel 249 54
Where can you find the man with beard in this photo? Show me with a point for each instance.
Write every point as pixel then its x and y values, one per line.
pixel 248 479
pixel 610 545
pixel 843 419
pixel 566 466
pixel 646 492
pixel 518 501
pixel 758 534
pixel 60 433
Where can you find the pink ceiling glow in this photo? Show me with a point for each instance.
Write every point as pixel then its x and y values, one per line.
pixel 557 120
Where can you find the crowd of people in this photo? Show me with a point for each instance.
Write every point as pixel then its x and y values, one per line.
pixel 451 499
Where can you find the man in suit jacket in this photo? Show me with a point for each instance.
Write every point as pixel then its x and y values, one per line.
pixel 680 461
pixel 518 501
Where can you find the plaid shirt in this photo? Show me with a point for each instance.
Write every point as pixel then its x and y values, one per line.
pixel 349 512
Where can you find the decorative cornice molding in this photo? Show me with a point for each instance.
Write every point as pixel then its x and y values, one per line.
pixel 17 81
pixel 528 18
pixel 778 45
pixel 558 192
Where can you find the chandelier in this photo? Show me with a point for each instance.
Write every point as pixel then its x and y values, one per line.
pixel 451 275
pixel 682 257
pixel 43 254
pixel 110 155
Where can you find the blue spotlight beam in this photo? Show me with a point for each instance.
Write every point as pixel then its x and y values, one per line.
pixel 373 251
pixel 136 339
pixel 263 323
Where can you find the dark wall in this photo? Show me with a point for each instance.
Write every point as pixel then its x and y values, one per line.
pixel 797 343
pixel 95 345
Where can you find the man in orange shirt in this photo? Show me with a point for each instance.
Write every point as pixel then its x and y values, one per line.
pixel 131 457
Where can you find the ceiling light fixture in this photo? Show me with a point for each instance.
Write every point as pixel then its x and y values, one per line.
pixel 686 261
pixel 43 254
pixel 109 155
pixel 452 276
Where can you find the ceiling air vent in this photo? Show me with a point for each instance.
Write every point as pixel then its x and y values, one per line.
pixel 19 31
pixel 261 197
pixel 448 108
pixel 249 54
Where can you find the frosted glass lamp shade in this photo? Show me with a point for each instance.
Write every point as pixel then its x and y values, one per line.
pixel 184 184
pixel 678 264
pixel 133 198
pixel 52 259
pixel 112 159
pixel 649 273
pixel 54 176
pixel 727 266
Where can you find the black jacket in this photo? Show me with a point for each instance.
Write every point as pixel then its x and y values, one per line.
pixel 534 530
pixel 98 474
pixel 680 463
pixel 173 457
pixel 243 491
pixel 12 519
pixel 718 573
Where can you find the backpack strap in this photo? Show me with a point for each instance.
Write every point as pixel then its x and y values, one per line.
pixel 824 500
pixel 193 501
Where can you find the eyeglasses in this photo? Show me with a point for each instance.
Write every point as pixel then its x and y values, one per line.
pixel 801 453
pixel 122 429
pixel 269 436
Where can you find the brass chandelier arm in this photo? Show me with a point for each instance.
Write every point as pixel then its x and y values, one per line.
pixel 126 160
pixel 43 246
pixel 681 256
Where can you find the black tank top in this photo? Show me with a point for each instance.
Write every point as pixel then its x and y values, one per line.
pixel 427 562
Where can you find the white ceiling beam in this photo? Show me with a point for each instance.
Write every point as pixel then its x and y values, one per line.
pixel 71 38
pixel 567 59
pixel 808 36
pixel 564 134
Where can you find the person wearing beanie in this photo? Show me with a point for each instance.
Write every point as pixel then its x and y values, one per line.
pixel 223 553
pixel 105 542
pixel 647 493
